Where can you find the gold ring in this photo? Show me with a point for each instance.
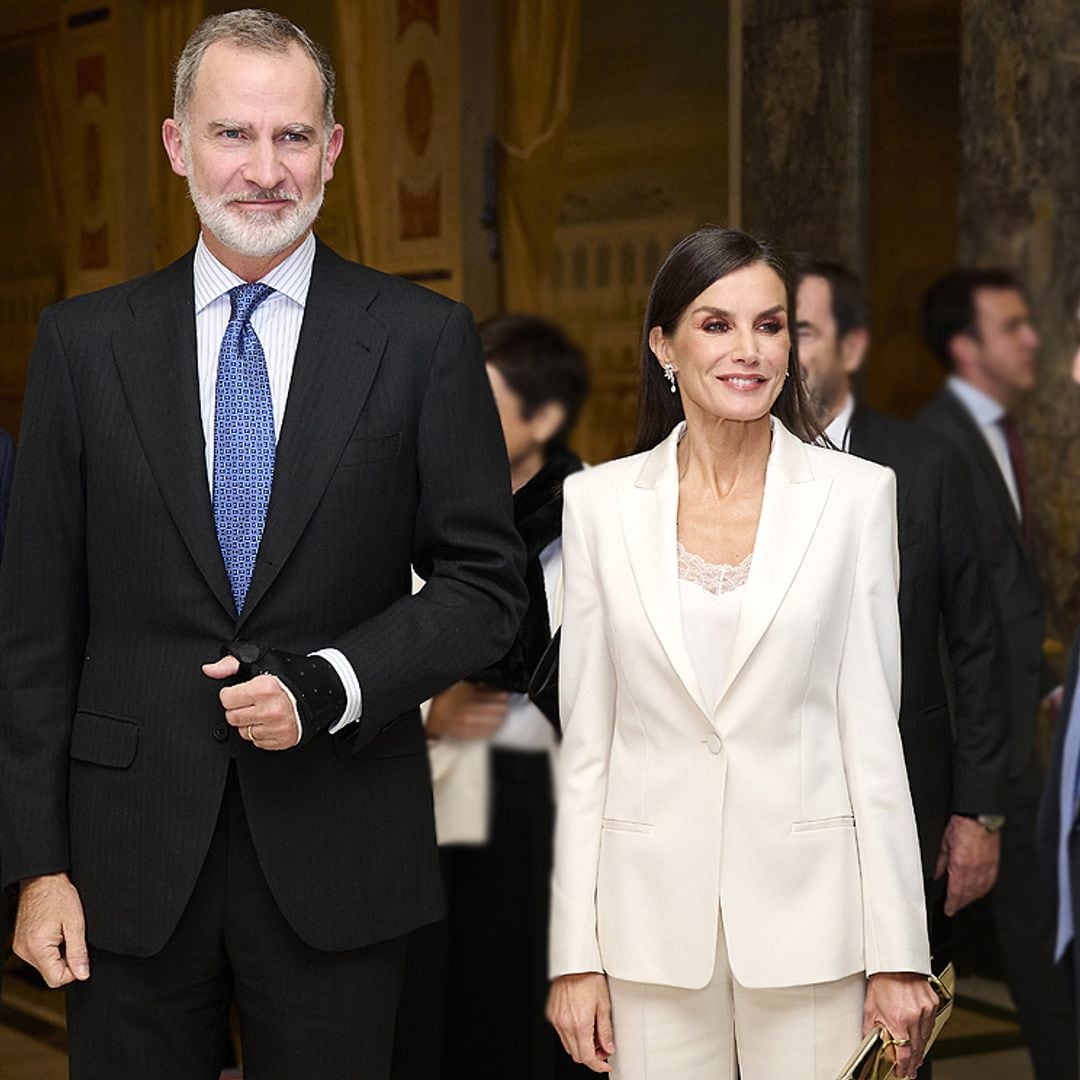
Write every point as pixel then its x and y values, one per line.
pixel 251 732
pixel 890 1041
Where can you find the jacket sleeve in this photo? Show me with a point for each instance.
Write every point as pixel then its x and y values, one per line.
pixel 587 708
pixel 43 617
pixel 868 692
pixel 975 646
pixel 465 547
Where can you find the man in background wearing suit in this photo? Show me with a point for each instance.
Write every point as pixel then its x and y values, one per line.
pixel 978 325
pixel 211 755
pixel 1059 821
pixel 956 765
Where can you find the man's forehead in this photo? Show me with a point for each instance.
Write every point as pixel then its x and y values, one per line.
pixel 226 68
pixel 1000 303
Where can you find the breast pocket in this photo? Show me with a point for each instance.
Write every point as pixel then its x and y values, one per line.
pixel 370 448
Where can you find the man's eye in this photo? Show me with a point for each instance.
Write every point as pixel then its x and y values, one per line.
pixel 295 136
pixel 231 133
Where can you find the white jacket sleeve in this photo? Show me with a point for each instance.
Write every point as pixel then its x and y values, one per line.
pixel 587 708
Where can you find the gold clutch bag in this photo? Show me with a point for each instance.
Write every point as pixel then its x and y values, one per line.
pixel 873 1059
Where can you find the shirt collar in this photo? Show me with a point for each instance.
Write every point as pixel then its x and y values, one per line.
pixel 291 278
pixel 837 431
pixel 983 408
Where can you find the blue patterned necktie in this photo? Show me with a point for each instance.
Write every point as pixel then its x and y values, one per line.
pixel 244 441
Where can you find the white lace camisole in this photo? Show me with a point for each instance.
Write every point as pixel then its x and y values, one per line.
pixel 710 596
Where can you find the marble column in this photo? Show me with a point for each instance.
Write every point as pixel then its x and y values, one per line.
pixel 1020 208
pixel 804 124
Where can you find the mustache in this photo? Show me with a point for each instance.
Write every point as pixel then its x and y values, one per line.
pixel 260 195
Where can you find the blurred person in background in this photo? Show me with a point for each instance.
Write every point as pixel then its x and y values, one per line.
pixel 978 325
pixel 1059 822
pixel 473 1005
pixel 737 882
pixel 957 764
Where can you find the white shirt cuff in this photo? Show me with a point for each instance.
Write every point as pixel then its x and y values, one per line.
pixel 354 701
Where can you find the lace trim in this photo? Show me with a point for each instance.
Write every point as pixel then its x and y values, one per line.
pixel 716 578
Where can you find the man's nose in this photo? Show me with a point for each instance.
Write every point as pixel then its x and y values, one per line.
pixel 263 166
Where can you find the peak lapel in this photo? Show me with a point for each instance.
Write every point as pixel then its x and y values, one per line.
pixel 155 354
pixel 790 510
pixel 340 347
pixel 648 509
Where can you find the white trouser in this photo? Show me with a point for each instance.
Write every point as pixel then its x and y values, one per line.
pixel 725 1030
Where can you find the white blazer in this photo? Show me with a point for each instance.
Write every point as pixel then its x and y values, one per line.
pixel 786 808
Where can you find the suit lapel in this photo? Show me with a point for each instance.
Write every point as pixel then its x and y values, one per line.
pixel 648 509
pixel 155 355
pixel 986 463
pixel 340 347
pixel 790 510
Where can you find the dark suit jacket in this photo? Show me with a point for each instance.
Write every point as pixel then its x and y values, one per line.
pixel 113 749
pixel 1050 810
pixel 1017 585
pixel 957 764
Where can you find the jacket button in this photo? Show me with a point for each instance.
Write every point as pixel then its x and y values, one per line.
pixel 714 743
pixel 221 732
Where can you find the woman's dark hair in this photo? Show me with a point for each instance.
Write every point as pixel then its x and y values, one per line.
pixel 539 363
pixel 693 264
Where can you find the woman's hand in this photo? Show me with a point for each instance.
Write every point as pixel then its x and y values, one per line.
pixel 904 1005
pixel 579 1009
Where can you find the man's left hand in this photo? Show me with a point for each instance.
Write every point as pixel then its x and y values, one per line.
pixel 261 709
pixel 970 855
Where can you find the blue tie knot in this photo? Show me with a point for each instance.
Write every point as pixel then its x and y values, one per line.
pixel 246 298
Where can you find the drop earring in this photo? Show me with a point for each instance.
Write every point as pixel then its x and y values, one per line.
pixel 669 374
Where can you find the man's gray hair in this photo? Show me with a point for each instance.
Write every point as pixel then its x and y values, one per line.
pixel 249 28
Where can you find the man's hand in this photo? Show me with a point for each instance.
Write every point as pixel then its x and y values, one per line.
pixel 970 855
pixel 579 1008
pixel 50 932
pixel 467 711
pixel 260 708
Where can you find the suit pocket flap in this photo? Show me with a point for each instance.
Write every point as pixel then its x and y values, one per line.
pixel 104 740
pixel 844 821
pixel 619 825
pixel 367 448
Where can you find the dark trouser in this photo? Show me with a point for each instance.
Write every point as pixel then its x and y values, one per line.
pixel 1025 926
pixel 304 1014
pixel 476 985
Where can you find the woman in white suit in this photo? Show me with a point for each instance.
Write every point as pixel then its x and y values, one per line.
pixel 737 887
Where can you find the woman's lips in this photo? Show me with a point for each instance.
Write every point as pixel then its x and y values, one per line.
pixel 743 383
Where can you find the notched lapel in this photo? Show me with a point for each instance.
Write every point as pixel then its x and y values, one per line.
pixel 790 510
pixel 337 356
pixel 155 355
pixel 648 510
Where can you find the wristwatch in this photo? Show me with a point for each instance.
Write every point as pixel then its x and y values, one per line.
pixel 992 823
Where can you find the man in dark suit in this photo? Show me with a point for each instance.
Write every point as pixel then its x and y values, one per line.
pixel 957 766
pixel 978 324
pixel 1059 822
pixel 257 826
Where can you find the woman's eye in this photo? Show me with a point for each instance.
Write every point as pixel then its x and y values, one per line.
pixel 714 325
pixel 773 326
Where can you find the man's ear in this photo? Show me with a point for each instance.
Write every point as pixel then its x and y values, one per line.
pixel 333 149
pixel 546 421
pixel 173 138
pixel 964 350
pixel 853 349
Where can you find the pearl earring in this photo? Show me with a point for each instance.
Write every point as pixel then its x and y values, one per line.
pixel 669 374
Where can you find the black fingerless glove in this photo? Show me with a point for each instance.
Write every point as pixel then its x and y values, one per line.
pixel 312 680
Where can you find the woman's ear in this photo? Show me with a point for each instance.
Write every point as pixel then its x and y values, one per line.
pixel 658 342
